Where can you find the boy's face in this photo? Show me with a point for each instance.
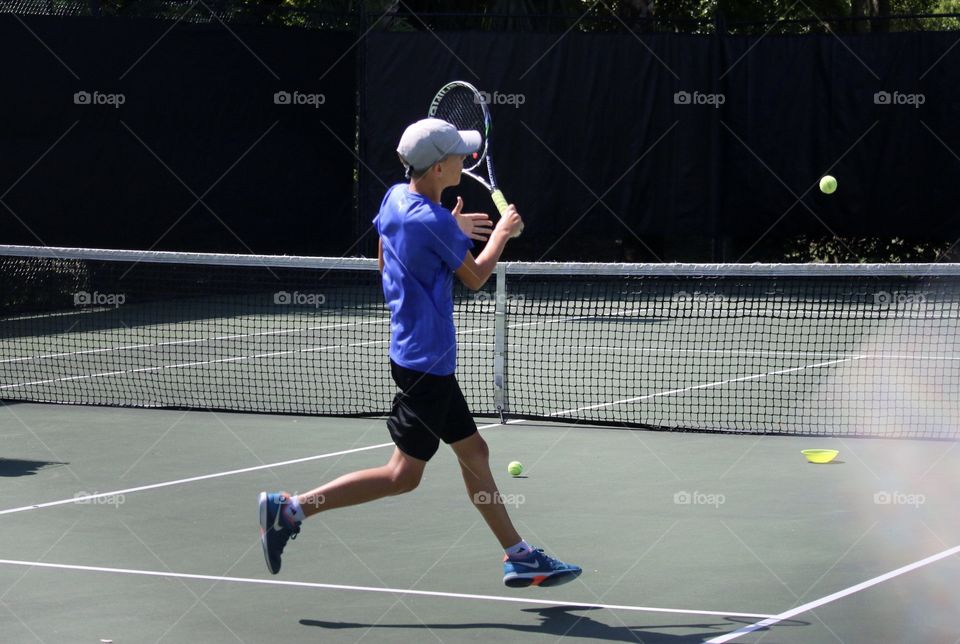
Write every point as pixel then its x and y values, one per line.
pixel 452 166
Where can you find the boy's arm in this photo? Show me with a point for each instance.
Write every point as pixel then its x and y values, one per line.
pixel 474 272
pixel 380 254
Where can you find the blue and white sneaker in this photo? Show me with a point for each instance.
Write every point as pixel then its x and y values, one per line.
pixel 537 570
pixel 276 528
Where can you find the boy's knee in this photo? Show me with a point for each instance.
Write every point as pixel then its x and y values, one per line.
pixel 479 450
pixel 405 480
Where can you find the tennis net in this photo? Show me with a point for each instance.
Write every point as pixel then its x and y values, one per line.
pixel 843 350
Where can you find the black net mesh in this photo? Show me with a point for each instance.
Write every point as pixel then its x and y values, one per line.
pixel 799 355
pixel 824 353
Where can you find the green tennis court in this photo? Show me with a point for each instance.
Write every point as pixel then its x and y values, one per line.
pixel 135 526
pixel 138 524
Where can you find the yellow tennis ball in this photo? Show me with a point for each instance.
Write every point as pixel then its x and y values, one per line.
pixel 515 468
pixel 828 185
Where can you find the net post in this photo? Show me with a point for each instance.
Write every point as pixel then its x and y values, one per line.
pixel 500 346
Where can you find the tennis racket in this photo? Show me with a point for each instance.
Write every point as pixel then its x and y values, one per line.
pixel 461 105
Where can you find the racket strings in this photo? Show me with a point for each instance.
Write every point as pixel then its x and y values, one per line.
pixel 463 107
pixel 463 110
pixel 464 117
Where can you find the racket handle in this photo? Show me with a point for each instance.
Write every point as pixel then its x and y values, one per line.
pixel 501 203
pixel 499 200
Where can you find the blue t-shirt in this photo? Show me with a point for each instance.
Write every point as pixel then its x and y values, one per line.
pixel 422 247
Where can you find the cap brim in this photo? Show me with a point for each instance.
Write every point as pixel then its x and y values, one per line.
pixel 470 143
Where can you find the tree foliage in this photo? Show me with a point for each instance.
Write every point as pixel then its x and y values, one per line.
pixel 688 16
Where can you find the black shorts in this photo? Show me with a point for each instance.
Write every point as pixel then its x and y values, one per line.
pixel 428 409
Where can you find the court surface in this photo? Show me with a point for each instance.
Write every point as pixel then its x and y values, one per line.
pixel 140 526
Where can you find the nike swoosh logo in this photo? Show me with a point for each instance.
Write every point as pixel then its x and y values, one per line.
pixel 276 519
pixel 520 563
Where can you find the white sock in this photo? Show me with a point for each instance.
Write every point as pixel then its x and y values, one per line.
pixel 521 550
pixel 296 511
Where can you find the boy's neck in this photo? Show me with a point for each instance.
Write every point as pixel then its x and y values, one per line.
pixel 428 190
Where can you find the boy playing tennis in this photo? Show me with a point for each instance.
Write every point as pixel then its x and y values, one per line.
pixel 422 246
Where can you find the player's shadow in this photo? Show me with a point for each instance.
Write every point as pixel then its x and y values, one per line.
pixel 562 622
pixel 10 467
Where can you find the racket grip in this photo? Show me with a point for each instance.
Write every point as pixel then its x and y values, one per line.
pixel 501 203
pixel 499 200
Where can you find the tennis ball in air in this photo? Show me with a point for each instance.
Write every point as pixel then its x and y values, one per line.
pixel 828 185
pixel 515 468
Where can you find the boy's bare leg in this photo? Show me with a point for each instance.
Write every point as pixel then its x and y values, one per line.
pixel 402 473
pixel 474 457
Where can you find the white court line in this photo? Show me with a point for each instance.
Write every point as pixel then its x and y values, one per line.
pixel 240 336
pixel 199 363
pixel 746 352
pixel 375 589
pixel 710 385
pixel 835 596
pixel 194 340
pixel 215 475
pixel 202 363
pixel 509 422
pixel 236 336
pixel 88 497
pixel 551 349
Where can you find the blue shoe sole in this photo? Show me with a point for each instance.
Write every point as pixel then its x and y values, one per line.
pixel 556 579
pixel 264 526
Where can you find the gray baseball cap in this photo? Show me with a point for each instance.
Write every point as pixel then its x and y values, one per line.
pixel 426 142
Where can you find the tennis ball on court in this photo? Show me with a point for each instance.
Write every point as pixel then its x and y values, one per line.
pixel 515 468
pixel 828 185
